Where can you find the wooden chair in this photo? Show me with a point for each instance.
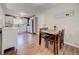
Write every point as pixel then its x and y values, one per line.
pixel 51 38
pixel 61 38
pixel 41 35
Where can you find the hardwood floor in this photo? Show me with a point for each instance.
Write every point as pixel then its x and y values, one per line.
pixel 28 44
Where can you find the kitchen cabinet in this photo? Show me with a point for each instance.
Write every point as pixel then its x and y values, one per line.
pixel 9 36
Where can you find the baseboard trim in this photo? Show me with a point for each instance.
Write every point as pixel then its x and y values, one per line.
pixel 71 44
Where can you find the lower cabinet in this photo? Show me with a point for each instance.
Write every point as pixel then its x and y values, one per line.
pixel 9 38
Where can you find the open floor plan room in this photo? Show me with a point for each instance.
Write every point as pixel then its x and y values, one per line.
pixel 39 28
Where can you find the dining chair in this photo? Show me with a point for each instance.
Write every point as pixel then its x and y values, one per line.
pixel 51 38
pixel 41 34
pixel 61 38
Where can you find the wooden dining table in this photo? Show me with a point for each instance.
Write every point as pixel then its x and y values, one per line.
pixel 53 32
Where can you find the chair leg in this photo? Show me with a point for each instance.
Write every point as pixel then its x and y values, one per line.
pixel 54 47
pixel 46 43
pixel 61 44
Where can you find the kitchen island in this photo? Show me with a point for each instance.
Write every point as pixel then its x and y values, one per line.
pixel 9 38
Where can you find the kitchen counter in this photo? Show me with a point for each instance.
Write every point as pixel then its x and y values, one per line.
pixel 9 38
pixel 10 28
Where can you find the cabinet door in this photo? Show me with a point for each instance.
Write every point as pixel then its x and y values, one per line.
pixel 9 38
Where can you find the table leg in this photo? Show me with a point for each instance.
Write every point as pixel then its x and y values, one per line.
pixel 55 46
pixel 39 38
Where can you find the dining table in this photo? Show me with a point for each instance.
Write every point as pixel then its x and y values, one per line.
pixel 53 32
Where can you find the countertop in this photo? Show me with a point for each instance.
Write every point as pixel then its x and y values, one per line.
pixel 5 28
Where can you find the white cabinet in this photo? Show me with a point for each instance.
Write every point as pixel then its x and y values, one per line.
pixel 9 37
pixel 21 29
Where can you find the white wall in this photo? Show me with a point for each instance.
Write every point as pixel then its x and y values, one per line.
pixel 0 20
pixel 41 22
pixel 1 17
pixel 53 17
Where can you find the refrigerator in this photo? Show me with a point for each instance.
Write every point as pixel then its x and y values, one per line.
pixel 32 25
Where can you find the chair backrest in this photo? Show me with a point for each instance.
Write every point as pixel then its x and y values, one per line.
pixel 61 34
pixel 43 28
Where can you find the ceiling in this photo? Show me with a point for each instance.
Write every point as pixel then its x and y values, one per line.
pixel 28 8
